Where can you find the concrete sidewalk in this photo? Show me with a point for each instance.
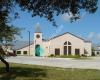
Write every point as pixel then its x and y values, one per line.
pixel 92 63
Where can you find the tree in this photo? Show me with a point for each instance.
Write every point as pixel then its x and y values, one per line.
pixel 49 8
pixel 3 60
pixel 43 8
pixel 7 34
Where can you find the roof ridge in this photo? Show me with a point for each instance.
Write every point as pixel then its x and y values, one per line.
pixel 71 34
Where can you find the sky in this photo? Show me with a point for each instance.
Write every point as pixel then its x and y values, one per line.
pixel 88 27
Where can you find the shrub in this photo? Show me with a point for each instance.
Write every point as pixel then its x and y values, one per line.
pixel 93 54
pixel 83 55
pixel 52 55
pixel 70 56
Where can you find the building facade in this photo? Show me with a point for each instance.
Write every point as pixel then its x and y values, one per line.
pixel 65 44
pixel 96 50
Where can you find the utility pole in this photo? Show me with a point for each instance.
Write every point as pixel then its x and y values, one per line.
pixel 29 42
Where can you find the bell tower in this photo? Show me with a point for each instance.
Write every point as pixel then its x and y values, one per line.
pixel 38 35
pixel 38 40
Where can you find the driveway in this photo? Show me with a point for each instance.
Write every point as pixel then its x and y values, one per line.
pixel 92 63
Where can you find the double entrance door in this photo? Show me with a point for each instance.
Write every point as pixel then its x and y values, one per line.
pixel 67 50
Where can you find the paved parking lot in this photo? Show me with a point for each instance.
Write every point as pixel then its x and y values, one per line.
pixel 92 63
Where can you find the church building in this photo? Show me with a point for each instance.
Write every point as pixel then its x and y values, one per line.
pixel 64 44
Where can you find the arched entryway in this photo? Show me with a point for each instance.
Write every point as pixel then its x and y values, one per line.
pixel 37 50
pixel 67 48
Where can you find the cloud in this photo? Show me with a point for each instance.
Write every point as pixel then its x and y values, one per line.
pixel 83 15
pixel 66 16
pixel 91 35
pixel 98 36
pixel 57 31
pixel 94 36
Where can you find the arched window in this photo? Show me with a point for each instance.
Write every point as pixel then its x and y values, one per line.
pixel 67 48
pixel 65 43
pixel 69 43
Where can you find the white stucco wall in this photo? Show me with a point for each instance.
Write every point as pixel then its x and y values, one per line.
pixel 88 48
pixel 59 43
pixel 27 49
pixel 46 47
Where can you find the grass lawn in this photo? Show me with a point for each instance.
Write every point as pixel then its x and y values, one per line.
pixel 32 72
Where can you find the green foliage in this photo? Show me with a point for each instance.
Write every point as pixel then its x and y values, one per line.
pixel 70 56
pixel 52 55
pixel 49 8
pixel 7 32
pixel 83 55
pixel 65 56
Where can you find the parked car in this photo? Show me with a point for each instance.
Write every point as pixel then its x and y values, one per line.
pixel 11 54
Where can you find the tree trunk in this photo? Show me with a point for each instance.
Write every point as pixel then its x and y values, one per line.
pixel 5 62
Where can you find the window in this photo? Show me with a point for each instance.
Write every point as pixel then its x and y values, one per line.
pixel 37 36
pixel 93 53
pixel 25 52
pixel 18 52
pixel 97 52
pixel 65 43
pixel 77 51
pixel 69 43
pixel 57 51
pixel 67 48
